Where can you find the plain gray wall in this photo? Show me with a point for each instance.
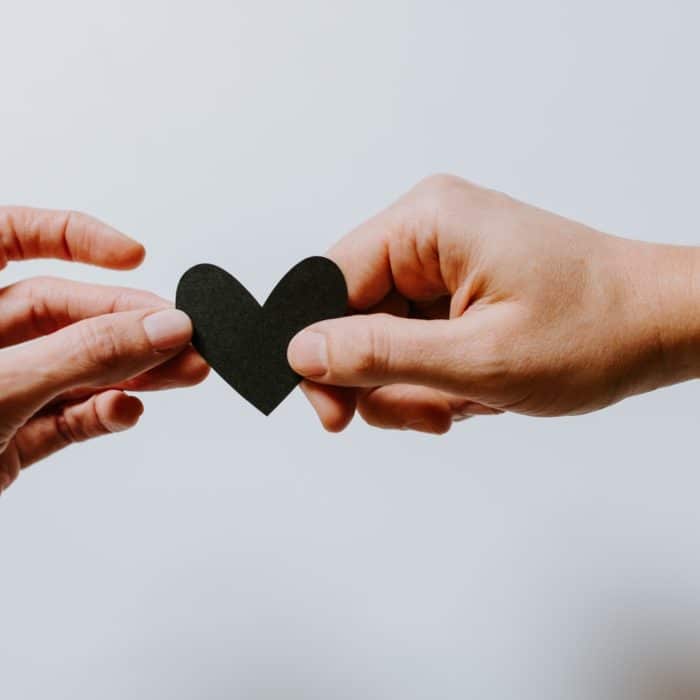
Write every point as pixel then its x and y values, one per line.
pixel 214 553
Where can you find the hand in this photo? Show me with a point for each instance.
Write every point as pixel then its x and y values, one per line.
pixel 469 302
pixel 92 342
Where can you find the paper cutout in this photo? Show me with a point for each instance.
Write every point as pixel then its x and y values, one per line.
pixel 245 343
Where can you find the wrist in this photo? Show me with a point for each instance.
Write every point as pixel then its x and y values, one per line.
pixel 666 290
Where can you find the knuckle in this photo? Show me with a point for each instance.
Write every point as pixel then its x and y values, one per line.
pixel 442 190
pixel 436 192
pixel 436 189
pixel 363 359
pixel 39 288
pixel 96 424
pixel 372 353
pixel 67 430
pixel 100 344
pixel 70 218
pixel 35 292
pixel 439 183
pixel 74 233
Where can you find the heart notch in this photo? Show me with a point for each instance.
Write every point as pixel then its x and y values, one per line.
pixel 246 343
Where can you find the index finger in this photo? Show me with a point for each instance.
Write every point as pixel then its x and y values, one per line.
pixel 27 233
pixel 396 249
pixel 363 256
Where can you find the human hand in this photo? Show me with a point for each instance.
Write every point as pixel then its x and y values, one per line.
pixel 469 302
pixel 90 342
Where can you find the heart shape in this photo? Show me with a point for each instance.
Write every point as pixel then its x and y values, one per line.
pixel 245 343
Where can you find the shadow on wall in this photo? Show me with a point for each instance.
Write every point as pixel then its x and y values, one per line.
pixel 672 688
pixel 659 661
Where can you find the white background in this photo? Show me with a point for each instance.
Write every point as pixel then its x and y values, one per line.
pixel 214 553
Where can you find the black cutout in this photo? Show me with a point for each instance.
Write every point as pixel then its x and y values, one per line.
pixel 246 343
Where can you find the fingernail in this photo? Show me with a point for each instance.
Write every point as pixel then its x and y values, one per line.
pixel 168 329
pixel 308 354
pixel 462 416
pixel 471 408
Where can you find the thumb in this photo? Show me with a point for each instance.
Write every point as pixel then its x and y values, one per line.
pixel 100 351
pixel 377 349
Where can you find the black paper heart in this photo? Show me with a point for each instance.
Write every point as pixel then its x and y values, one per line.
pixel 247 343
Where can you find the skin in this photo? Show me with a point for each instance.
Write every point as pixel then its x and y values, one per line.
pixel 90 343
pixel 468 302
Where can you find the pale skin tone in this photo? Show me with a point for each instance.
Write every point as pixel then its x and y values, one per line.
pixel 91 344
pixel 468 302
